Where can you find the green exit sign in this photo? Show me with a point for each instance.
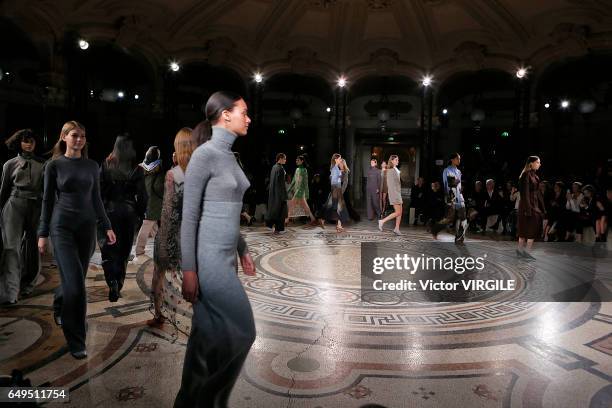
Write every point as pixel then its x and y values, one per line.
pixel 505 134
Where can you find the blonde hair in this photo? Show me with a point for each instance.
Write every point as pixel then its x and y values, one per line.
pixel 184 145
pixel 390 161
pixel 59 149
pixel 345 166
pixel 333 160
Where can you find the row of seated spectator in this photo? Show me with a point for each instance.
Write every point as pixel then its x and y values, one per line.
pixel 492 207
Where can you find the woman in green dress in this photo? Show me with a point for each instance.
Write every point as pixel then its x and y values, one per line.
pixel 298 190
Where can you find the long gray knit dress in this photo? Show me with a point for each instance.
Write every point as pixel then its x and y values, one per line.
pixel 223 328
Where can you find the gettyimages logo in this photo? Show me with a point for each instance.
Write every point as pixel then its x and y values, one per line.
pixel 411 264
pixel 406 272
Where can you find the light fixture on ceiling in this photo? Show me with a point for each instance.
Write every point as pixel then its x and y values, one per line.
pixel 521 73
pixel 83 44
pixel 120 94
pixel 426 81
pixel 445 111
pixel 342 82
pixel 174 66
pixel 565 104
pixel 258 77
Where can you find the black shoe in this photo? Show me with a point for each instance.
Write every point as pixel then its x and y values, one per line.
pixel 57 318
pixel 113 291
pixel 79 355
pixel 9 303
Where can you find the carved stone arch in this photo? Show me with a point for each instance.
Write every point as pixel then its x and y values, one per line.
pixel 546 57
pixel 320 69
pixel 413 72
pixel 457 38
pixel 470 56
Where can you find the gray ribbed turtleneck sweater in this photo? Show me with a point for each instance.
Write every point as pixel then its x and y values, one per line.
pixel 212 175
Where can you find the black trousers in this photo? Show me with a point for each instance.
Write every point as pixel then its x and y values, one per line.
pixel 278 224
pixel 74 243
pixel 115 257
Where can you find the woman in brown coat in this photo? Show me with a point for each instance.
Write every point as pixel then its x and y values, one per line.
pixel 531 207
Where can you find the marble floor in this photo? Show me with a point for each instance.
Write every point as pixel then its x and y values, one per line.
pixel 319 345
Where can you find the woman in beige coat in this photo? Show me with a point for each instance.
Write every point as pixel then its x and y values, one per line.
pixel 394 186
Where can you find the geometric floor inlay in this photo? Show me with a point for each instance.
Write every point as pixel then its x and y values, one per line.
pixel 319 344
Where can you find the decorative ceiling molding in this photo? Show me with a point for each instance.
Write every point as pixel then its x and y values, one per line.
pixel 385 61
pixel 302 59
pixel 357 41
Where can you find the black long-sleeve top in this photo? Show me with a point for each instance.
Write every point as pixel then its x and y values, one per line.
pixel 118 188
pixel 72 188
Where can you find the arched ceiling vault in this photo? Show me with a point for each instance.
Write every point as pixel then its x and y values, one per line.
pixel 331 37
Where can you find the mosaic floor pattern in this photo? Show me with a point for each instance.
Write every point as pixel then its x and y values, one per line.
pixel 319 345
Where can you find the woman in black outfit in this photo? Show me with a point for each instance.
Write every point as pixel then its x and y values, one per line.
pixel 556 211
pixel 125 200
pixel 71 207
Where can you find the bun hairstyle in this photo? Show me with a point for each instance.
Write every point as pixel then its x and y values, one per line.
pixel 452 157
pixel 14 142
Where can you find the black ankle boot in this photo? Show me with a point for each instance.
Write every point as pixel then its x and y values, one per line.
pixel 113 292
pixel 57 318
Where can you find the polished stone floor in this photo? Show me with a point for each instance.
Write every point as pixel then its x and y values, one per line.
pixel 319 345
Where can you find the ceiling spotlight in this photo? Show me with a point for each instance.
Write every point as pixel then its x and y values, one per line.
pixel 547 105
pixel 328 109
pixel 136 96
pixel 565 104
pixel 426 80
pixel 521 73
pixel 83 44
pixel 120 94
pixel 445 111
pixel 174 66
pixel 258 77
pixel 342 82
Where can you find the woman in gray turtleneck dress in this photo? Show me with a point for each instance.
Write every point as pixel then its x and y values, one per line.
pixel 223 328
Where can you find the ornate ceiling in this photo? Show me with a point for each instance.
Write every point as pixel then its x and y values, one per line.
pixel 328 37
